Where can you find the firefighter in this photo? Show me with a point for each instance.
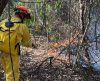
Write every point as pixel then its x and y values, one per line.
pixel 19 37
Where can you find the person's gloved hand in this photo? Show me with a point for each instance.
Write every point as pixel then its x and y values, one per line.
pixel 34 46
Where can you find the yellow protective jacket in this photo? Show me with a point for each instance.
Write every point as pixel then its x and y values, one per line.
pixel 19 33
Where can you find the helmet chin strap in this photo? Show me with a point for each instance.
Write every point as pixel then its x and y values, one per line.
pixel 22 17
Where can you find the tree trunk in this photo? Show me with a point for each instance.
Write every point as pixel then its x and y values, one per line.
pixel 2 5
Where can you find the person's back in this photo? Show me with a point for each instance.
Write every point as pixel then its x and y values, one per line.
pixel 18 33
pixel 10 42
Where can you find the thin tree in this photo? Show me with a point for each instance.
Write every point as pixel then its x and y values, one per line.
pixel 3 3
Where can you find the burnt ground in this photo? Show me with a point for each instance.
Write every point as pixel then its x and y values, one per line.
pixel 36 66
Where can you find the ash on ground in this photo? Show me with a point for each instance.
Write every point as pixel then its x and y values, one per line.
pixel 37 66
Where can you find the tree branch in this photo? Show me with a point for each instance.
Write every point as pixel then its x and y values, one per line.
pixel 3 3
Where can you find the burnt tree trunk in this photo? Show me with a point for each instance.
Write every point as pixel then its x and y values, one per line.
pixel 2 5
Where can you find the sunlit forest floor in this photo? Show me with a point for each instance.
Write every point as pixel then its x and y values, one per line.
pixel 36 66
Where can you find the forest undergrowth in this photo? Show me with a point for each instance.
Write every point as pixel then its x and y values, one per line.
pixel 36 66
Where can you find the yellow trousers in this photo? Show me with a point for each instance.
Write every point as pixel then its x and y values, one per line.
pixel 7 66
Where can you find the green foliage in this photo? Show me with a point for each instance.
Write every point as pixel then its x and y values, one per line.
pixel 44 10
pixel 53 35
pixel 16 0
